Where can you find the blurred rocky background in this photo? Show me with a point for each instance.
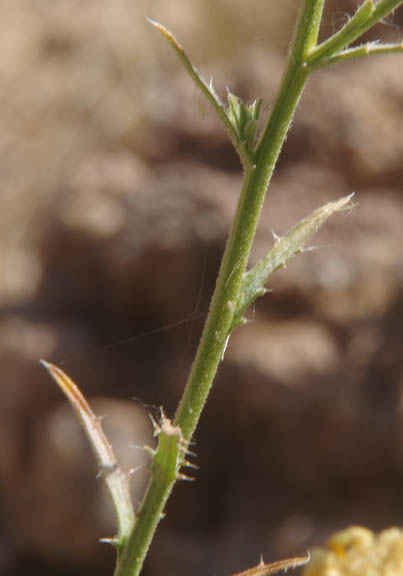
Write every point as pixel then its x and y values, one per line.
pixel 117 190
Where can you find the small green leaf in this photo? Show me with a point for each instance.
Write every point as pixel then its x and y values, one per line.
pixel 250 134
pixel 255 108
pixel 234 112
pixel 253 284
pixel 244 119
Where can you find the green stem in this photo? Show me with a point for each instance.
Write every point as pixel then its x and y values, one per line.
pixel 367 15
pixel 223 305
pixel 164 473
pixel 256 181
pixel 369 49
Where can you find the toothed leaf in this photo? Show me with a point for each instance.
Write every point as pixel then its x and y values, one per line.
pixel 284 248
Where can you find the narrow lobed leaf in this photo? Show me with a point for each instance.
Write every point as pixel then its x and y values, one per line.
pixel 351 30
pixel 286 247
pixel 209 93
pixel 263 569
pixel 367 15
pixel 368 49
pixel 115 480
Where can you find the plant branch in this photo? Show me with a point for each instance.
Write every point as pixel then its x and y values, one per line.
pixel 368 49
pixel 367 15
pixel 291 87
pixel 236 255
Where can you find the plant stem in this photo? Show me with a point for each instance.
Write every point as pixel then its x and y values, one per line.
pixel 164 472
pixel 223 305
pixel 368 49
pixel 235 258
pixel 366 16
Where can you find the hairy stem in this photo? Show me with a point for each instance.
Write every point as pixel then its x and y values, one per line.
pixel 256 181
pixel 368 49
pixel 223 305
pixel 164 472
pixel 367 15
